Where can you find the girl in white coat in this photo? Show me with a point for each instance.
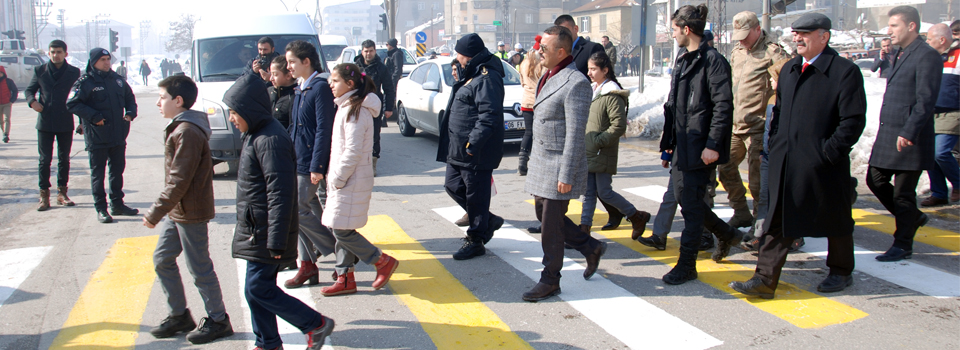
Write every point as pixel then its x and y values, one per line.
pixel 350 179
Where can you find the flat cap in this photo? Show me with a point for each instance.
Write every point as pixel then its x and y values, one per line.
pixel 810 22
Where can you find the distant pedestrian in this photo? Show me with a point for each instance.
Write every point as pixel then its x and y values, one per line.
pixel 819 115
pixel 53 81
pixel 122 70
pixel 905 142
pixel 259 65
pixel 144 71
pixel 8 95
pixel 606 123
pixel 471 141
pixel 394 61
pixel 350 182
pixel 610 50
pixel 883 61
pixel 187 202
pixel 266 231
pixel 311 130
pixel 384 87
pixel 946 120
pixel 530 72
pixel 558 164
pixel 106 106
pixel 164 68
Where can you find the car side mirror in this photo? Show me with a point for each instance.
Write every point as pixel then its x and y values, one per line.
pixel 432 86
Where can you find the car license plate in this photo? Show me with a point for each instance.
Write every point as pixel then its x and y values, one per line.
pixel 517 124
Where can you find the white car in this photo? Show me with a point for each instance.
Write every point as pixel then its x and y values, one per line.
pixel 349 53
pixel 865 64
pixel 422 97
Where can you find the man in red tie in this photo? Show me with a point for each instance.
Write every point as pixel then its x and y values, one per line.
pixel 818 116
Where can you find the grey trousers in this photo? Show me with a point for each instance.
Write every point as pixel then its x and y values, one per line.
pixel 191 239
pixel 601 185
pixel 312 232
pixel 663 222
pixel 350 245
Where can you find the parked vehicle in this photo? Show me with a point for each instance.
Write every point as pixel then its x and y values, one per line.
pixel 422 97
pixel 19 65
pixel 333 45
pixel 351 52
pixel 865 65
pixel 222 51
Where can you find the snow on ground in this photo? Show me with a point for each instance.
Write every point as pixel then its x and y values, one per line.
pixel 645 118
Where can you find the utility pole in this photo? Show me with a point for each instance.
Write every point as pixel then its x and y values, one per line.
pixel 765 19
pixel 63 28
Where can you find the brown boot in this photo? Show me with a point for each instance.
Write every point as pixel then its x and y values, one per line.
pixel 308 273
pixel 44 200
pixel 639 222
pixel 62 198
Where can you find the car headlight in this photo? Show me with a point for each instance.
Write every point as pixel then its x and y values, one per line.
pixel 215 115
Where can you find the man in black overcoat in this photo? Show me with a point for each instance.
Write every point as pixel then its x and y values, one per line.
pixel 904 147
pixel 818 116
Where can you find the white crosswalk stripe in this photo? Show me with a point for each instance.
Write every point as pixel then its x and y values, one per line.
pixel 609 306
pixel 16 265
pixel 923 279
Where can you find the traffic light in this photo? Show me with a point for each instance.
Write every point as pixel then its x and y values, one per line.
pixel 19 35
pixel 8 33
pixel 114 39
pixel 383 20
pixel 780 7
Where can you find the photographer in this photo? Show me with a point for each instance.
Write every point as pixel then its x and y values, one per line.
pixel 266 51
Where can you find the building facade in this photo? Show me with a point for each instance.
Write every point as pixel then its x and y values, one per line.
pixel 357 21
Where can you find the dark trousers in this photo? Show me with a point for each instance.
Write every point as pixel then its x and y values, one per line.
pixel 45 145
pixel 100 159
pixel 691 188
pixel 527 139
pixel 558 229
pixel 774 247
pixel 899 198
pixel 377 124
pixel 471 190
pixel 267 302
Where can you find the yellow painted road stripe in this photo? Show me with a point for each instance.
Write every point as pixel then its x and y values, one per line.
pixel 450 314
pixel 887 224
pixel 111 306
pixel 801 308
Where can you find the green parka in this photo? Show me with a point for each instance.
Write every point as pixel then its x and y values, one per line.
pixel 606 124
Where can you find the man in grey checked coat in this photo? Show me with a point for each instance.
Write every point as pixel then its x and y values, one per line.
pixel 558 165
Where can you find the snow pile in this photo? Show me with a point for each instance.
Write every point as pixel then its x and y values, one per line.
pixel 645 115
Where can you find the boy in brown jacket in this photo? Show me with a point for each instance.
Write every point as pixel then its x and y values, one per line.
pixel 187 201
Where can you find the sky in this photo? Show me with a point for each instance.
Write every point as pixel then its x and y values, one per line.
pixel 132 12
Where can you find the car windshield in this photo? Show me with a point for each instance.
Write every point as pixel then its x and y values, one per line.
pixel 407 59
pixel 512 76
pixel 225 59
pixel 332 52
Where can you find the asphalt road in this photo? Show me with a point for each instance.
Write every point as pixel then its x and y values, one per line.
pixel 67 281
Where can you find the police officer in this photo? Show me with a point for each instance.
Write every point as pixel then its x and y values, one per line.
pixel 105 105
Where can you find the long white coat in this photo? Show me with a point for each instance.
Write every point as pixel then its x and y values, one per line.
pixel 350 175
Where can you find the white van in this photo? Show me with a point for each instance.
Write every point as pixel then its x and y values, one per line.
pixel 332 46
pixel 221 51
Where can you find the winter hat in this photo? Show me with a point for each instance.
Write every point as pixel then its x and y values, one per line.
pixel 392 42
pixel 470 45
pixel 95 55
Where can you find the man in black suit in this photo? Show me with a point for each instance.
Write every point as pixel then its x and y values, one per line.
pixel 819 114
pixel 582 50
pixel 905 141
pixel 53 81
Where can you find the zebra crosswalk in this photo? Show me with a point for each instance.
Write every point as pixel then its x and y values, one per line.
pixel 454 316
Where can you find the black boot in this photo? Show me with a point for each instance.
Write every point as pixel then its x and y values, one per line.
pixel 615 216
pixel 522 167
pixel 731 238
pixel 685 270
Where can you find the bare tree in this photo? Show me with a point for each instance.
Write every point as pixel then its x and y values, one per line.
pixel 182 38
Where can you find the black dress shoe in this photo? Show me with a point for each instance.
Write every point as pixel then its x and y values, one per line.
pixel 653 241
pixel 103 217
pixel 895 254
pixel 541 291
pixel 753 287
pixel 469 250
pixel 922 220
pixel 494 223
pixel 593 260
pixel 835 283
pixel 534 229
pixel 123 209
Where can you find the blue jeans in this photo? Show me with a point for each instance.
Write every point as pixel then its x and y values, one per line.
pixel 601 185
pixel 945 167
pixel 267 302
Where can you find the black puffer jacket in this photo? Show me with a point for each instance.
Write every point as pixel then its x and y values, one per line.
pixel 699 109
pixel 394 63
pixel 386 87
pixel 281 100
pixel 473 119
pixel 103 96
pixel 267 223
